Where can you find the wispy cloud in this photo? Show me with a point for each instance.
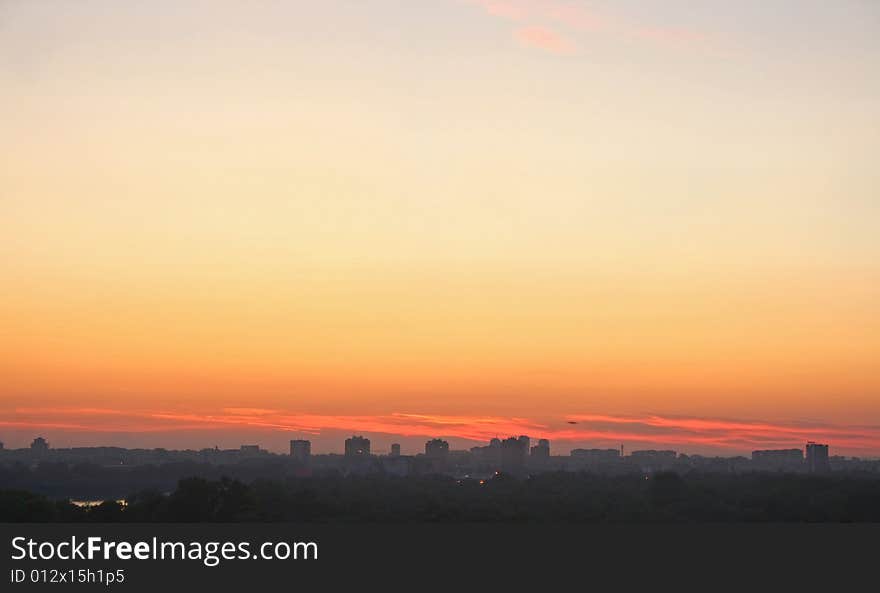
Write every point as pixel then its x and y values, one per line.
pixel 577 430
pixel 545 39
pixel 557 25
pixel 508 9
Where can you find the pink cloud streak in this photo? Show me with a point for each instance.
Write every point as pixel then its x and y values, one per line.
pixel 545 39
pixel 550 24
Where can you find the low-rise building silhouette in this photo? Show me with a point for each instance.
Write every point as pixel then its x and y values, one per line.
pixel 595 455
pixel 249 450
pixel 651 460
pixel 778 459
pixel 396 465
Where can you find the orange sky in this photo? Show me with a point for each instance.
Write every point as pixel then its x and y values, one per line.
pixel 457 220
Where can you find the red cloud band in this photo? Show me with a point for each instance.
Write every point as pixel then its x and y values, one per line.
pixel 576 430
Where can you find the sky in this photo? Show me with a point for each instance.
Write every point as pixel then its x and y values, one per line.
pixel 648 222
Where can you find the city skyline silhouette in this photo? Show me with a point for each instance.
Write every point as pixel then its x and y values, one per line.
pixel 689 435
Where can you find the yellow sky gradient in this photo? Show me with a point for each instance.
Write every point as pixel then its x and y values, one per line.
pixel 307 209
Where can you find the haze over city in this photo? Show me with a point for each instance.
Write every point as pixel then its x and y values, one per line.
pixel 653 223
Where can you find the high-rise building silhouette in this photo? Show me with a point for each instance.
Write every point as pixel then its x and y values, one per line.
pixel 817 458
pixel 39 445
pixel 514 452
pixel 437 449
pixel 301 450
pixel 357 446
pixel 541 450
pixel 395 449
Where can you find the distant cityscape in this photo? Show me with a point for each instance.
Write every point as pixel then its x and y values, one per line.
pixel 515 455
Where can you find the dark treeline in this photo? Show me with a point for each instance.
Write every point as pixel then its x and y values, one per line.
pixel 551 497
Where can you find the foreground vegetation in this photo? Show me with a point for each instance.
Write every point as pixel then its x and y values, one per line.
pixel 551 497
